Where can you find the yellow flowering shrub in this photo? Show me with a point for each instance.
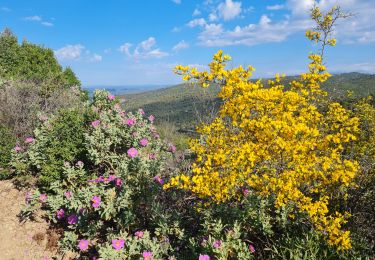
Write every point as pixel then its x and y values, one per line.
pixel 276 142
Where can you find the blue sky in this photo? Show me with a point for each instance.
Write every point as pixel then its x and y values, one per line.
pixel 139 42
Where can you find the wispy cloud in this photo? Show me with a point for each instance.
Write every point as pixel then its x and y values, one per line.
pixel 229 9
pixel 35 18
pixel 70 52
pixel 176 1
pixel 180 46
pixel 5 9
pixel 144 50
pixel 197 22
pixel 357 29
pixel 275 7
pixel 196 12
pixel 76 52
pixel 39 19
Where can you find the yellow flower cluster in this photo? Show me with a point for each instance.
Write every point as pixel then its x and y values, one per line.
pixel 276 142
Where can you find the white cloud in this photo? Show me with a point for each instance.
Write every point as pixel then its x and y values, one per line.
pixel 35 18
pixel 70 52
pixel 176 29
pixel 48 24
pixel 357 29
pixel 38 19
pixel 5 9
pixel 229 10
pixel 196 12
pixel 197 22
pixel 180 46
pixel 125 48
pixel 176 1
pixel 275 7
pixel 144 50
pixel 97 57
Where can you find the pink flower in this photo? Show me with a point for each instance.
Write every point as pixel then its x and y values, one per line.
pixel 151 118
pixel 68 194
pixel 252 248
pixel 130 121
pixel 29 140
pixel 217 244
pixel 139 234
pixel 72 219
pixel 110 97
pixel 118 182
pixel 156 136
pixel 147 255
pixel 141 111
pixel 132 152
pixel 95 123
pixel 118 244
pixel 28 197
pixel 60 214
pixel 171 148
pixel 245 192
pixel 204 257
pixel 17 148
pixel 111 178
pixel 80 164
pixel 96 201
pixel 83 244
pixel 152 156
pixel 159 180
pixel 43 197
pixel 117 107
pixel 144 142
pixel 122 113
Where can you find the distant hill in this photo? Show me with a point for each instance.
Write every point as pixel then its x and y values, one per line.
pixel 180 104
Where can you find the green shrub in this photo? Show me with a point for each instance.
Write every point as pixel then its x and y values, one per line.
pixel 7 142
pixel 60 139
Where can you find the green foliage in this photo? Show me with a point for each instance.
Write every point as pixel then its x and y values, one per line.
pixel 32 63
pixel 183 105
pixel 60 139
pixel 7 142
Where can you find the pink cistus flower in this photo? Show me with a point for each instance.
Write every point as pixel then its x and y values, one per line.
pixel 95 123
pixel 29 140
pixel 217 244
pixel 17 148
pixel 152 156
pixel 147 255
pixel 72 219
pixel 204 257
pixel 43 197
pixel 83 244
pixel 141 111
pixel 252 248
pixel 144 142
pixel 80 164
pixel 151 118
pixel 111 178
pixel 159 180
pixel 118 182
pixel 68 194
pixel 60 214
pixel 130 121
pixel 96 201
pixel 118 244
pixel 171 148
pixel 139 234
pixel 245 191
pixel 132 152
pixel 110 97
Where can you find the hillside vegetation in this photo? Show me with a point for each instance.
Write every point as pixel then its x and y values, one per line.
pixel 183 105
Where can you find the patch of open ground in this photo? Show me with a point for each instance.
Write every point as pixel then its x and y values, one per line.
pixel 22 240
